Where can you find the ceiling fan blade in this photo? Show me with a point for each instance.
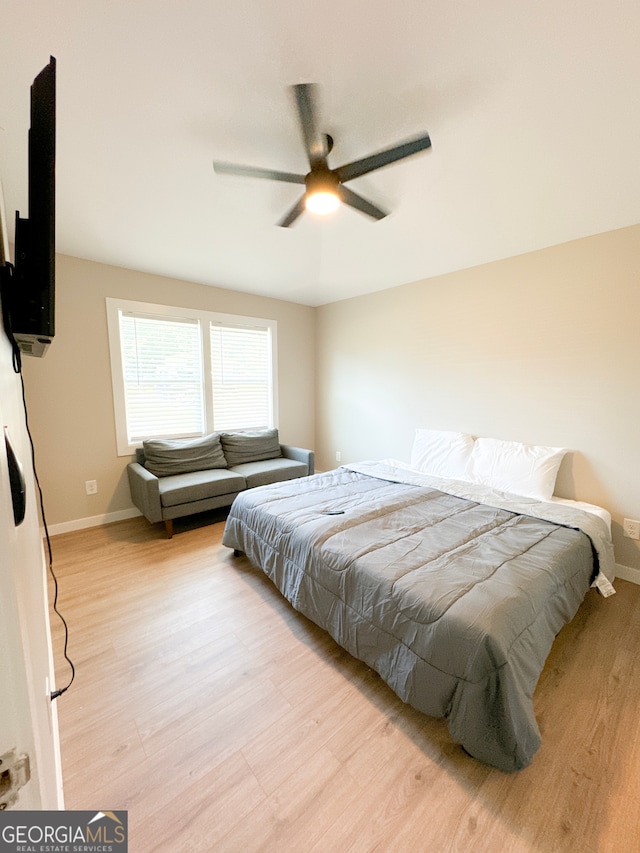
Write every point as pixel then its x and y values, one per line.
pixel 256 172
pixel 382 158
pixel 293 214
pixel 354 200
pixel 315 142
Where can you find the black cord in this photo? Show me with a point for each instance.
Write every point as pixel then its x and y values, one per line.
pixel 62 690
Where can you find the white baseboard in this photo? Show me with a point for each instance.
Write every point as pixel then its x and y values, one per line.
pixel 93 521
pixel 627 573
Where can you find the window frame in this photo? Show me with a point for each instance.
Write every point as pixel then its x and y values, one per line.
pixel 205 319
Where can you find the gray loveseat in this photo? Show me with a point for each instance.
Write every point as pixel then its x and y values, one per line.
pixel 174 478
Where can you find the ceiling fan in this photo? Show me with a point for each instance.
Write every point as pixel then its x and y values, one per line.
pixel 324 187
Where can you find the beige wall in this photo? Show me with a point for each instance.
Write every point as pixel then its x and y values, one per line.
pixel 543 348
pixel 69 390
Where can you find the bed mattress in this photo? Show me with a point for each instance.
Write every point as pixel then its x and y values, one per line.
pixel 454 602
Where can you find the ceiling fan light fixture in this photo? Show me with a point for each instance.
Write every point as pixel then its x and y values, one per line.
pixel 322 191
pixel 322 202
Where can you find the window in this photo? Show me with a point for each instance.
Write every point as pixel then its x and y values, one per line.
pixel 181 373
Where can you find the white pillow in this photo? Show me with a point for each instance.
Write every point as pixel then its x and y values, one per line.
pixel 441 453
pixel 524 469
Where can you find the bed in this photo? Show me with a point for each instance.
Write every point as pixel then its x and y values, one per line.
pixel 452 591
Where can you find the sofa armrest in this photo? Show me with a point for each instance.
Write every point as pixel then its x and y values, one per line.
pixel 144 491
pixel 300 454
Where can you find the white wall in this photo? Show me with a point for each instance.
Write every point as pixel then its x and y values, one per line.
pixel 543 348
pixel 28 719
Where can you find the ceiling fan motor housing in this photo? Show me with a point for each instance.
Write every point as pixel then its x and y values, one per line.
pixel 321 180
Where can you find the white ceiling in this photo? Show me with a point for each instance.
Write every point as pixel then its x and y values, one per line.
pixel 532 107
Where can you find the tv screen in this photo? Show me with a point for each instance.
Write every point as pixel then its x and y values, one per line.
pixel 31 293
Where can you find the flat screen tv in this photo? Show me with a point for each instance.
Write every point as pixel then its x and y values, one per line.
pixel 28 291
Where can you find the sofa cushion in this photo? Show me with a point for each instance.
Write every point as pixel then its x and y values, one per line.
pixel 165 457
pixel 199 485
pixel 268 471
pixel 242 447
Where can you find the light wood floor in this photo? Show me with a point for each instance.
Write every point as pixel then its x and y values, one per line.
pixel 224 721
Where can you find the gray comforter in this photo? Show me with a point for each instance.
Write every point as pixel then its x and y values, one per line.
pixel 453 602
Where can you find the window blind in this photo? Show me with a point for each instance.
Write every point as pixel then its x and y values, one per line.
pixel 162 371
pixel 241 377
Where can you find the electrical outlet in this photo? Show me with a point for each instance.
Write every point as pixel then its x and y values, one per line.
pixel 631 528
pixel 338 456
pixel 91 487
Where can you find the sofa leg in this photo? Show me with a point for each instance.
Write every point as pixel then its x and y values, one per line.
pixel 168 523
